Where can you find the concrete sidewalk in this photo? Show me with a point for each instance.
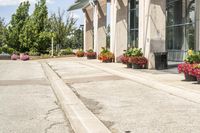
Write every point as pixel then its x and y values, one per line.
pixel 126 100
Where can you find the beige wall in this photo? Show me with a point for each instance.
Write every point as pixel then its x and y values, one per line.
pixel 88 28
pixel 100 12
pixel 119 26
pixel 152 28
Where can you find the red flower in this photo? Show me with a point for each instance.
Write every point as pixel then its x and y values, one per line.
pixel 124 59
pixel 139 60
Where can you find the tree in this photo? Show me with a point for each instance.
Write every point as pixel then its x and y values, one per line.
pixel 108 36
pixel 62 29
pixel 28 36
pixel 3 32
pixel 16 25
pixel 42 28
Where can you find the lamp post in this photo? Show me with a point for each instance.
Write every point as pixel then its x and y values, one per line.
pixel 52 43
pixel 82 29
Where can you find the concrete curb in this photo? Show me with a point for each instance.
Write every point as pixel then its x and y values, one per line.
pixel 190 96
pixel 81 119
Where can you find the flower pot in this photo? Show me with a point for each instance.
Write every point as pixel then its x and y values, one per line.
pixel 129 65
pixel 107 61
pixel 14 57
pixel 136 66
pixel 91 57
pixel 189 77
pixel 198 80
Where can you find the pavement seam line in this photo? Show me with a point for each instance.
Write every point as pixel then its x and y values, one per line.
pixel 81 119
pixel 175 91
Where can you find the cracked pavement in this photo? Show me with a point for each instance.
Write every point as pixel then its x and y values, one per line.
pixel 27 102
pixel 127 106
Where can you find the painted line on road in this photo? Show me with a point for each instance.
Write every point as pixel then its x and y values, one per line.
pixel 81 119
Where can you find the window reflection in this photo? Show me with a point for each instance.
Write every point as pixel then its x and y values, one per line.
pixel 180 33
pixel 133 22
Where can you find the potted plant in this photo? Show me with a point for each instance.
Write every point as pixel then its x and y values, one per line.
pixel 134 58
pixel 139 62
pixel 192 58
pixel 196 72
pixel 127 57
pixel 24 56
pixel 80 53
pixel 124 59
pixel 91 54
pixel 106 56
pixel 14 56
pixel 186 68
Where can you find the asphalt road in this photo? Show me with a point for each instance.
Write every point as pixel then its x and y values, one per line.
pixel 27 102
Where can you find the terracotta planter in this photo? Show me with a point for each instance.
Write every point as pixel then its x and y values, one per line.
pixel 129 65
pixel 136 66
pixel 190 77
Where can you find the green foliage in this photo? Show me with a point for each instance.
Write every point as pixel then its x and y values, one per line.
pixel 192 57
pixel 90 51
pixel 104 50
pixel 28 36
pixel 33 33
pixel 3 32
pixel 108 37
pixel 67 51
pixel 6 49
pixel 33 52
pixel 133 52
pixel 60 28
pixel 16 25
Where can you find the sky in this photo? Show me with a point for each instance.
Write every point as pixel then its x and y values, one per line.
pixel 8 7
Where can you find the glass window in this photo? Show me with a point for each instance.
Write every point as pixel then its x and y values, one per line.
pixel 180 32
pixel 133 22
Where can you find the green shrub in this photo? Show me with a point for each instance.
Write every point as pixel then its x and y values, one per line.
pixel 7 50
pixel 67 51
pixel 33 52
pixel 1 50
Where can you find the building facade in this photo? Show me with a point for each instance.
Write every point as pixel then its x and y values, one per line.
pixel 171 26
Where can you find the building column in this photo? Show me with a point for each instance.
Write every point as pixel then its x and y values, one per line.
pixel 112 25
pixel 100 11
pixel 119 34
pixel 152 28
pixel 197 25
pixel 88 28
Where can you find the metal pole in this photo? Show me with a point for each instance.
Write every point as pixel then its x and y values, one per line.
pixel 52 46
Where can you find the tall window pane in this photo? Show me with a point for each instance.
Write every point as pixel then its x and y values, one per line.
pixel 133 22
pixel 180 33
